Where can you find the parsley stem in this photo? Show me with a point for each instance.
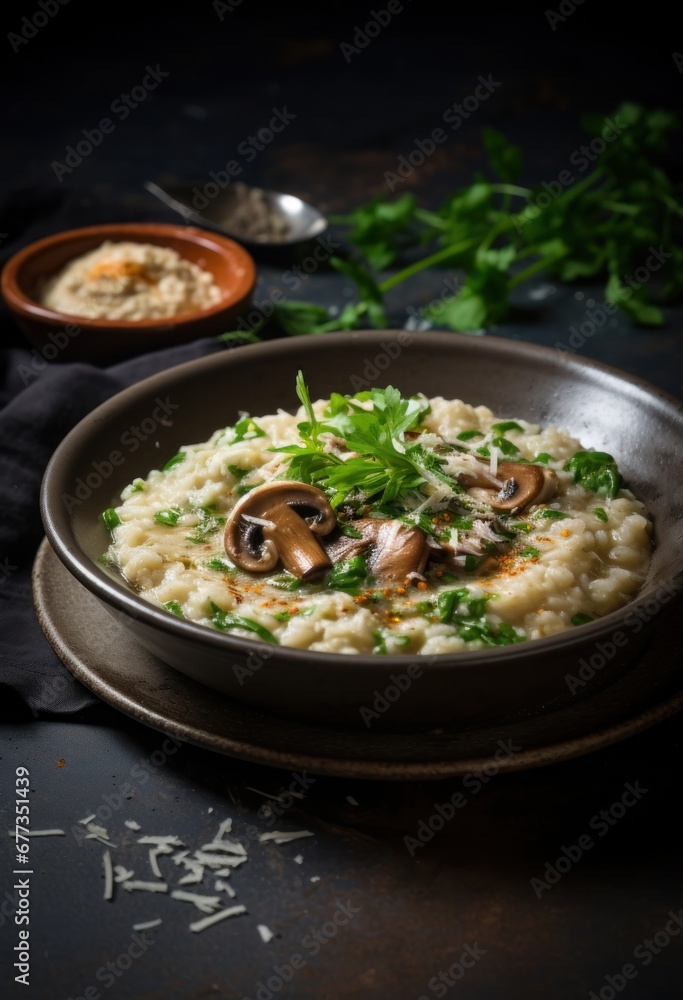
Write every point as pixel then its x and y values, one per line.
pixel 539 265
pixel 670 203
pixel 513 189
pixel 420 265
pixel 430 218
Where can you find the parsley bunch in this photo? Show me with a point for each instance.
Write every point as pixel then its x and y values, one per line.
pixel 605 221
pixel 384 466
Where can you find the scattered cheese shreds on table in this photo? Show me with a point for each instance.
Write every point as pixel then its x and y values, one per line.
pixel 232 911
pixel 283 837
pixel 207 904
pixel 161 841
pixel 231 846
pixel 96 830
pixel 148 925
pixel 122 874
pixel 145 886
pixel 221 886
pixel 108 875
pixel 217 857
pixel 224 827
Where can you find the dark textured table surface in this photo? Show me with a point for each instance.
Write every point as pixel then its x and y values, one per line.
pixel 562 882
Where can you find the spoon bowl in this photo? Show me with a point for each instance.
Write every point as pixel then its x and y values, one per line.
pixel 253 216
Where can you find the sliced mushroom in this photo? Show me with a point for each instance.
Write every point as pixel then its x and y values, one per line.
pixel 278 522
pixel 399 550
pixel 395 549
pixel 523 484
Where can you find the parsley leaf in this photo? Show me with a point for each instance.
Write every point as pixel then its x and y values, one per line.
pixel 225 620
pixel 596 471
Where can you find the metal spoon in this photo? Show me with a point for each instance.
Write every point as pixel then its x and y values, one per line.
pixel 251 215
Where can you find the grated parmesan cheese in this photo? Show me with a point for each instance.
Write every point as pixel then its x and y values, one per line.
pixel 232 911
pixel 148 925
pixel 284 837
pixel 108 876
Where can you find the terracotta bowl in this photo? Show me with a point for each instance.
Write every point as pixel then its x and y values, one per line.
pixel 604 408
pixel 62 337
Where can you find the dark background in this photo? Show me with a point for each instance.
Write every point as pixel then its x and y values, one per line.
pixel 354 119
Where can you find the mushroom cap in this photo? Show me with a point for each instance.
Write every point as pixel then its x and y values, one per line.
pixel 523 483
pixel 251 545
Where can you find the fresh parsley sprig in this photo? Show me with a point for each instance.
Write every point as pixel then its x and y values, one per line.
pixel 383 465
pixel 605 221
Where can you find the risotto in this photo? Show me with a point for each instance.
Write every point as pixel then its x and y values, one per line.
pixel 130 281
pixel 380 524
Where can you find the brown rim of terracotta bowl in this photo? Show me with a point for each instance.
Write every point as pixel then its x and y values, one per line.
pixel 138 232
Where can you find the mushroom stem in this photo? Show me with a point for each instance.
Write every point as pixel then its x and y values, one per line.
pixel 300 551
pixel 278 522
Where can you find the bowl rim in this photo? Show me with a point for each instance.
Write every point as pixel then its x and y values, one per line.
pixel 57 520
pixel 22 303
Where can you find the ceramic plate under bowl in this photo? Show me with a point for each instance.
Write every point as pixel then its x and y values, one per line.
pixel 108 661
pixel 604 408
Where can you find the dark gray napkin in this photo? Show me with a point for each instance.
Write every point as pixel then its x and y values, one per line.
pixel 37 412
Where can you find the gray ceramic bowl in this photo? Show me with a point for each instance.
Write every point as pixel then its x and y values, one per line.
pixel 606 409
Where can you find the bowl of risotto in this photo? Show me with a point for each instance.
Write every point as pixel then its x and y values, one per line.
pixel 106 292
pixel 380 527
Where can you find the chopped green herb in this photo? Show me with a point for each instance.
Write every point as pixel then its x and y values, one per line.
pixel 111 518
pixel 506 425
pixel 285 581
pixel 348 530
pixel 553 515
pixel 601 514
pixel 542 458
pixel 468 435
pixel 137 486
pixel 221 566
pixel 176 460
pixel 596 471
pixel 238 473
pixel 209 521
pixel 491 635
pixel 380 643
pixel 169 517
pixel 350 575
pixel 246 429
pixel 283 616
pixel 507 447
pixel 529 553
pixel 241 489
pixel 174 608
pixel 471 563
pixel 225 620
pixel 581 619
pixel 449 601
